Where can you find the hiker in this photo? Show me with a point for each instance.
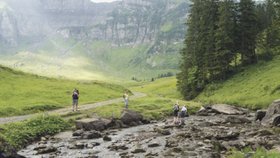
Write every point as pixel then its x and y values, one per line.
pixel 176 109
pixel 125 98
pixel 75 97
pixel 182 114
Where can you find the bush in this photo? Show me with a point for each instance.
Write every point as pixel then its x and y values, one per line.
pixel 19 134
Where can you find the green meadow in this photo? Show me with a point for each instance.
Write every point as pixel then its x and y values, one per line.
pixel 158 104
pixel 255 88
pixel 23 93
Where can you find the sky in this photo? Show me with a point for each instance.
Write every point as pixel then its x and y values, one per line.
pixel 102 1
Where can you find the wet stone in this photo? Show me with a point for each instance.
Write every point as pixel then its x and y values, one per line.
pixel 91 135
pixel 153 145
pixel 78 133
pixel 177 150
pixel 40 147
pixel 47 150
pixel 138 150
pixel 79 145
pixel 107 138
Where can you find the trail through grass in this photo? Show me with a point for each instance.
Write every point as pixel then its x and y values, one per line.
pixel 25 93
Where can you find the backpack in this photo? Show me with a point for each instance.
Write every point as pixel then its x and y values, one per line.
pixel 176 107
pixel 75 95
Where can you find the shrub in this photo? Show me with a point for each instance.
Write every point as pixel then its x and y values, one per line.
pixel 20 134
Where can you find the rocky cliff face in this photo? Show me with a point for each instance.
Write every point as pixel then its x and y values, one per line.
pixel 8 26
pixel 126 22
pixel 40 18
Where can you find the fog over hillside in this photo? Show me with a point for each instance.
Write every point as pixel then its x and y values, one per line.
pixel 36 33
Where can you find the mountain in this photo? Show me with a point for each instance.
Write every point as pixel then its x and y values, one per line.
pixel 125 39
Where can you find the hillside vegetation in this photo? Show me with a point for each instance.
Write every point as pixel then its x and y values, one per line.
pixel 256 87
pixel 23 93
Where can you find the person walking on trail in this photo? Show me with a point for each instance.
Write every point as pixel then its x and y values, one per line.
pixel 182 114
pixel 75 99
pixel 176 109
pixel 125 98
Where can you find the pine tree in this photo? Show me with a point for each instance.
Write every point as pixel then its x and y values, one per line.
pixel 247 31
pixel 210 19
pixel 188 77
pixel 199 48
pixel 224 38
pixel 269 31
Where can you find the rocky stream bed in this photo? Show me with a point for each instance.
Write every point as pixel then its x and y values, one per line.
pixel 209 134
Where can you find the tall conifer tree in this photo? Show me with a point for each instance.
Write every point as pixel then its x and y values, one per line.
pixel 248 31
pixel 188 78
pixel 225 46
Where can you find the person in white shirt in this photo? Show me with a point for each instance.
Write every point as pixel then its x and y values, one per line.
pixel 182 114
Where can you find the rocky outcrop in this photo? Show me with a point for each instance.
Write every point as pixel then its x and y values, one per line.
pixel 227 109
pixel 93 124
pixel 128 118
pixel 272 116
pixel 220 109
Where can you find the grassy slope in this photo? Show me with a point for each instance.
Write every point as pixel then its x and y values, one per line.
pixel 25 93
pixel 256 87
pixel 96 60
pixel 158 104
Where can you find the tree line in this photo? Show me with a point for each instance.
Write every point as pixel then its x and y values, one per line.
pixel 223 36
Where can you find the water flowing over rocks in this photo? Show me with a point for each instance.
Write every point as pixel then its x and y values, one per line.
pixel 210 135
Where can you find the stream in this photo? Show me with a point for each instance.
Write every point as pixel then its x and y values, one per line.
pixel 201 136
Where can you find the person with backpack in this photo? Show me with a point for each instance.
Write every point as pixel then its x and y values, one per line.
pixel 75 99
pixel 176 109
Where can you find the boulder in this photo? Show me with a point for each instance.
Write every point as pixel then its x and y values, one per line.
pixel 138 150
pixel 227 109
pixel 79 145
pixel 276 120
pixel 206 111
pixel 78 133
pixel 107 138
pixel 237 120
pixel 227 136
pixel 260 114
pixel 47 150
pixel 162 131
pixel 130 117
pixel 152 145
pixel 93 124
pixel 91 135
pixel 272 116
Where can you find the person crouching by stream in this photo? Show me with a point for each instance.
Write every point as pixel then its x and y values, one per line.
pixel 75 99
pixel 176 109
pixel 182 114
